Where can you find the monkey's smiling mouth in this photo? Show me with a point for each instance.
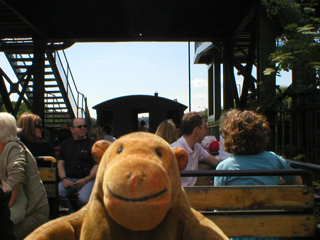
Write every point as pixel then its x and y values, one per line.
pixel 136 199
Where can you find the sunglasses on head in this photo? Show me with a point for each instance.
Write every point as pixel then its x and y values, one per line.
pixel 81 126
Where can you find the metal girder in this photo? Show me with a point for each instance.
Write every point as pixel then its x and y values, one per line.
pixel 4 92
pixel 247 83
pixel 38 76
pixel 217 88
pixel 211 81
pixel 230 92
pixel 25 84
pixel 266 45
pixel 214 89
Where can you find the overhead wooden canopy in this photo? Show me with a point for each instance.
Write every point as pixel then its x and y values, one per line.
pixel 122 20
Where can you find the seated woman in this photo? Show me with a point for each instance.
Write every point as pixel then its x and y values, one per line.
pixel 96 132
pixel 167 130
pixel 31 135
pixel 18 168
pixel 245 135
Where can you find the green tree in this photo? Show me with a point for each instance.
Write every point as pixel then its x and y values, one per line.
pixel 205 112
pixel 23 108
pixel 299 46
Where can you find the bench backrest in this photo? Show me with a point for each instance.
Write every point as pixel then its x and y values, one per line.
pixel 257 211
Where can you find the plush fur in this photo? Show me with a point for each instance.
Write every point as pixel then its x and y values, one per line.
pixel 137 195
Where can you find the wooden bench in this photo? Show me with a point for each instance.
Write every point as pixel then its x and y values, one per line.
pixel 258 211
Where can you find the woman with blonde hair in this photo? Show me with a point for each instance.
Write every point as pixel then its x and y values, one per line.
pixel 31 135
pixel 18 168
pixel 96 132
pixel 167 130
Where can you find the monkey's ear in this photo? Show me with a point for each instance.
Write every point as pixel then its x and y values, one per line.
pixel 98 149
pixel 182 157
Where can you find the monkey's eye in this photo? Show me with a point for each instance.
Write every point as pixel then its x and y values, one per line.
pixel 120 149
pixel 158 152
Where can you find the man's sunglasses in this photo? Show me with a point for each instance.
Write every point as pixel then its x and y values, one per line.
pixel 81 126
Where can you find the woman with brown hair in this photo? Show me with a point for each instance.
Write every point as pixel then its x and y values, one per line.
pixel 245 135
pixel 31 135
pixel 167 130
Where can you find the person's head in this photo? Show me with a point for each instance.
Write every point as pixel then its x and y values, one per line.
pixel 178 131
pixel 8 128
pixel 78 129
pixel 194 123
pixel 142 123
pixel 167 130
pixel 96 132
pixel 31 127
pixel 63 134
pixel 107 129
pixel 244 132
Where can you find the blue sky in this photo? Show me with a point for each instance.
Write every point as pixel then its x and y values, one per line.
pixel 120 69
pixel 104 71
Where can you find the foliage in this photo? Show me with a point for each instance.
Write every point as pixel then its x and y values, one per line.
pixel 205 112
pixel 23 108
pixel 300 44
pixel 2 109
pixel 299 157
pixel 285 99
pixel 316 185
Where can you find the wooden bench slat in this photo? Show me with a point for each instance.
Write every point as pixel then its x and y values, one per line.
pixel 243 225
pixel 250 197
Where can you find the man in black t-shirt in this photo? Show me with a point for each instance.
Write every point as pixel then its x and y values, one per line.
pixel 76 167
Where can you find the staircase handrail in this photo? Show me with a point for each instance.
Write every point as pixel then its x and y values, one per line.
pixel 77 102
